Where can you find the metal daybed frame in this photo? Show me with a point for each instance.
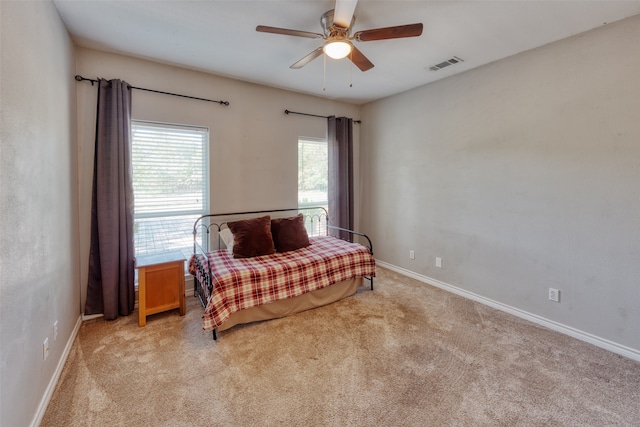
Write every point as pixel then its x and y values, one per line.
pixel 318 223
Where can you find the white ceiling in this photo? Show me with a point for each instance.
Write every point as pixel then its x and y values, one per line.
pixel 219 37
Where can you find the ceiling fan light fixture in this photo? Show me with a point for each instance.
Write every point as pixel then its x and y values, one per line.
pixel 337 49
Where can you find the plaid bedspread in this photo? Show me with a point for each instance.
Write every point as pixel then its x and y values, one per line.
pixel 241 283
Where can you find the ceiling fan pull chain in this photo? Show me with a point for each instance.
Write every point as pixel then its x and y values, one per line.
pixel 324 73
pixel 351 68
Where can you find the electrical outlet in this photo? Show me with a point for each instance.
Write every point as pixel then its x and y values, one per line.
pixel 554 295
pixel 438 262
pixel 412 255
pixel 55 330
pixel 45 349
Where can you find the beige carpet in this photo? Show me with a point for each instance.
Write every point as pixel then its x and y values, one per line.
pixel 406 354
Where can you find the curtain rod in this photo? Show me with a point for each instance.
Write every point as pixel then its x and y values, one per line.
pixel 313 115
pixel 225 103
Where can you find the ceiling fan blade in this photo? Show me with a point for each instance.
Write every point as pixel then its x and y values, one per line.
pixel 360 60
pixel 411 30
pixel 310 57
pixel 287 32
pixel 343 12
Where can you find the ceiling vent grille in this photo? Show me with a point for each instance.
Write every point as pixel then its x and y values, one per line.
pixel 446 63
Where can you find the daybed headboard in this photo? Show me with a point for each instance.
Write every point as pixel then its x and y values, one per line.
pixel 207 228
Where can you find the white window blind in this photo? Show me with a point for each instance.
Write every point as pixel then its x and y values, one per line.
pixel 169 169
pixel 170 184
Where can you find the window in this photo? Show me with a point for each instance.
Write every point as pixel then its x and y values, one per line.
pixel 313 172
pixel 170 185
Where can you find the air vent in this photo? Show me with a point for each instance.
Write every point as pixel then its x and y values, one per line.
pixel 446 63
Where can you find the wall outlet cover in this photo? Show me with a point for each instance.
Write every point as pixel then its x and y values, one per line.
pixel 45 349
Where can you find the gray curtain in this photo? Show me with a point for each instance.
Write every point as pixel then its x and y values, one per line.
pixel 340 140
pixel 110 288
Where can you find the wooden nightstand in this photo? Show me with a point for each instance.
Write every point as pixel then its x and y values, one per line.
pixel 160 284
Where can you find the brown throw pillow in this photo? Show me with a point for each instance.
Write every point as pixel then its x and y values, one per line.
pixel 289 234
pixel 252 237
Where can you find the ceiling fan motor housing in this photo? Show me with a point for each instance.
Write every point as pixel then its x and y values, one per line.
pixel 331 29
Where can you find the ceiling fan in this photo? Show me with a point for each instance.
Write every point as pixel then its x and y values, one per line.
pixel 337 25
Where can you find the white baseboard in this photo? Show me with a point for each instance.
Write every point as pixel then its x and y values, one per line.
pixel 42 408
pixel 86 317
pixel 188 286
pixel 620 349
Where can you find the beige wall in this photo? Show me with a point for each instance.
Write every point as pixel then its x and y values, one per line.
pixel 521 175
pixel 253 144
pixel 39 268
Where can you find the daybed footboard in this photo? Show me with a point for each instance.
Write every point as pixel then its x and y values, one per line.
pixel 346 234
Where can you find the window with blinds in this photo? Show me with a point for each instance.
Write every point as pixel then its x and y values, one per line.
pixel 170 184
pixel 313 172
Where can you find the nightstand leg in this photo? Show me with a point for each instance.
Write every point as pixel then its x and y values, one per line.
pixel 142 298
pixel 183 302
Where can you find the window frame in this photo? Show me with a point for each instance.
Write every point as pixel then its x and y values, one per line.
pixel 206 173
